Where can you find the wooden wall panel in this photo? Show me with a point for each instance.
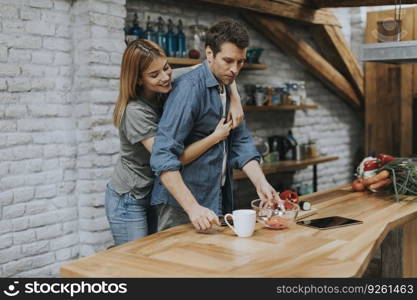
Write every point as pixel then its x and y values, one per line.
pixel 388 94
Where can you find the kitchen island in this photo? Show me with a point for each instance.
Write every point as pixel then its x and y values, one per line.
pixel 295 252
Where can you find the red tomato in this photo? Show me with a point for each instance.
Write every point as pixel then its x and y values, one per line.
pixel 357 185
pixel 289 196
pixel 288 205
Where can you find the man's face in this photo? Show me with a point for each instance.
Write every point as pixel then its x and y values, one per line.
pixel 227 63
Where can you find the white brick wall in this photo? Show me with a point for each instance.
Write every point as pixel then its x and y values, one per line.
pixel 46 122
pixel 59 70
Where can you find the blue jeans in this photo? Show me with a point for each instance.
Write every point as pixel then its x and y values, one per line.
pixel 128 216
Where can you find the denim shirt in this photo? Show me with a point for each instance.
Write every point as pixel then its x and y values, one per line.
pixel 191 113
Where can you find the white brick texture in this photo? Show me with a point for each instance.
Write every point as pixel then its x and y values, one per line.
pixel 39 207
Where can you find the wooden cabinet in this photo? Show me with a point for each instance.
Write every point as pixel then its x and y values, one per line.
pixel 390 89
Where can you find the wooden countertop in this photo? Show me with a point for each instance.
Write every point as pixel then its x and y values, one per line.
pixel 295 252
pixel 287 165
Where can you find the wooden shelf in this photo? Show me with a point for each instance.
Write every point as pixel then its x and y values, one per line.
pixel 183 62
pixel 177 61
pixel 278 107
pixel 254 67
pixel 287 166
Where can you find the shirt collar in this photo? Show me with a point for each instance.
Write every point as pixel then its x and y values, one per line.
pixel 211 81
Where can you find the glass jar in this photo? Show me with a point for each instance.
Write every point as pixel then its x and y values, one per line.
pixel 313 151
pixel 260 95
pixel 276 96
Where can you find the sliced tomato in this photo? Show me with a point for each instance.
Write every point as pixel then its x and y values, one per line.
pixel 277 222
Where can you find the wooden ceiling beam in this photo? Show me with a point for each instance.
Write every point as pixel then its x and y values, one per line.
pixel 353 3
pixel 281 9
pixel 305 3
pixel 280 35
pixel 336 50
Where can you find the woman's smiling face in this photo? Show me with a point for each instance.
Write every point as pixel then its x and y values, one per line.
pixel 157 77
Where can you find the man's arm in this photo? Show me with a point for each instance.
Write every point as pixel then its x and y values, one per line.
pixel 265 191
pixel 244 156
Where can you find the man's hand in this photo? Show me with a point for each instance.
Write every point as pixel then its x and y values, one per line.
pixel 202 218
pixel 266 193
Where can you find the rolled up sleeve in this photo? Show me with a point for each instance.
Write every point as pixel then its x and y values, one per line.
pixel 177 121
pixel 243 149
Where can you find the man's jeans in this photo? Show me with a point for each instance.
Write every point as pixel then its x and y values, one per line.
pixel 128 217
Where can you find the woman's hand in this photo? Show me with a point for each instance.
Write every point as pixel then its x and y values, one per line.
pixel 235 115
pixel 222 130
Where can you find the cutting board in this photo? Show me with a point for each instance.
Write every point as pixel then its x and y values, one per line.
pixel 306 213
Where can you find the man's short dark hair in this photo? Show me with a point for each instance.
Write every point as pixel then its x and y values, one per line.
pixel 227 31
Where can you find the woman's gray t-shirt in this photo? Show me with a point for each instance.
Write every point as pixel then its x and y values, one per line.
pixel 132 172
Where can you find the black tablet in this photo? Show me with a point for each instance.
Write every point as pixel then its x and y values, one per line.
pixel 329 222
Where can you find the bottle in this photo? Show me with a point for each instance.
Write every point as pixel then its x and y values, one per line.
pixel 136 30
pixel 126 31
pixel 273 148
pixel 149 32
pixel 181 48
pixel 160 34
pixel 293 145
pixel 171 41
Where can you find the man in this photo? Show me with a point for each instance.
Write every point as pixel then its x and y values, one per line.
pixel 202 190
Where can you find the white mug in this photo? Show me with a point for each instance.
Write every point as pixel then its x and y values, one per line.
pixel 243 220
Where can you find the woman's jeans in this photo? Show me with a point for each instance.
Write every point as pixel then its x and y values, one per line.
pixel 129 218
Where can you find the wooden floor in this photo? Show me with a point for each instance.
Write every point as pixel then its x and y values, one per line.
pixel 295 252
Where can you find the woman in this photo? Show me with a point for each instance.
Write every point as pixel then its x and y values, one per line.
pixel 145 82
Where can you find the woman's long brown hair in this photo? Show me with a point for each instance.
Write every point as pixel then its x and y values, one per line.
pixel 137 57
